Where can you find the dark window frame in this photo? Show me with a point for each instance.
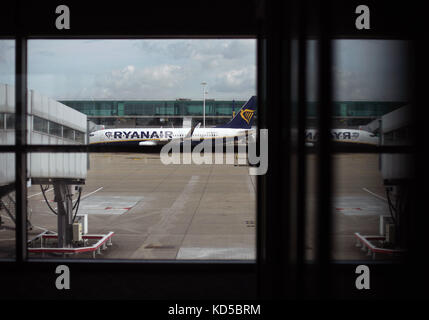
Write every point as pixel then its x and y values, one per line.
pixel 272 271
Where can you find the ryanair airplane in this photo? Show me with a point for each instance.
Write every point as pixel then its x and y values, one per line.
pixel 344 136
pixel 238 128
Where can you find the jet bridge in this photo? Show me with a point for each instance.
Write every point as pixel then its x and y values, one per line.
pixel 397 170
pixel 53 123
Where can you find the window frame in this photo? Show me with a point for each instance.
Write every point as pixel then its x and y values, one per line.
pixel 269 274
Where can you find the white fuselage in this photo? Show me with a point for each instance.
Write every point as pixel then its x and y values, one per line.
pixel 345 136
pixel 154 136
pixel 157 136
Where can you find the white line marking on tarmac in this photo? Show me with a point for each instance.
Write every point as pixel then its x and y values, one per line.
pixel 84 197
pixel 33 225
pixel 374 194
pixel 36 194
pixel 251 186
pixel 40 228
pixel 6 217
pixel 87 195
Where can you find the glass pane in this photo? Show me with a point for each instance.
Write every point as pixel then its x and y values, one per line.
pixel 7 160
pixel 7 206
pixel 370 107
pixel 80 137
pixel 143 93
pixel 68 133
pixel 55 129
pixel 7 91
pixel 40 124
pixel 371 92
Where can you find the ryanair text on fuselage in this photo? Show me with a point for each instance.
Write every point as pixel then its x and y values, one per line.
pixel 344 136
pixel 136 134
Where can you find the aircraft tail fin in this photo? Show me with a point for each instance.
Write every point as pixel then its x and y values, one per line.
pixel 244 117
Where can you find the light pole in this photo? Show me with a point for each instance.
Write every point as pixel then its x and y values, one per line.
pixel 204 103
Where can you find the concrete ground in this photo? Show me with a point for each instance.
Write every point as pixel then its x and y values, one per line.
pixel 357 203
pixel 201 211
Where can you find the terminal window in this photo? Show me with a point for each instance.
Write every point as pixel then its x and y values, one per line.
pixel 371 89
pixel 138 92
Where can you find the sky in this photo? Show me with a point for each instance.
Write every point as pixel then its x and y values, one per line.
pixel 171 69
pixel 143 69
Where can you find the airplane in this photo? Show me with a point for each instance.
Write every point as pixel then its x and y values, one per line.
pixel 344 136
pixel 236 129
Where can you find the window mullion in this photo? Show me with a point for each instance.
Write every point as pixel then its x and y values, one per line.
pixel 21 152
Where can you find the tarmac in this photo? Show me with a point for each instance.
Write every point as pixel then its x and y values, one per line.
pixel 199 212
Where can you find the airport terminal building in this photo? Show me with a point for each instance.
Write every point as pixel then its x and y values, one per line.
pixel 156 113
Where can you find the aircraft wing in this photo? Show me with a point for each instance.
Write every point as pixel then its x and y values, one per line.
pixel 193 129
pixel 190 133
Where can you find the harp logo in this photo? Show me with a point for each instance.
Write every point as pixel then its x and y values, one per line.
pixel 247 114
pixel 108 135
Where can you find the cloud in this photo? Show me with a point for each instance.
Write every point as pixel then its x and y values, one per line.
pixel 165 69
pixel 224 55
pixel 207 52
pixel 131 82
pixel 227 65
pixel 164 75
pixel 7 50
pixel 238 49
pixel 236 80
pixel 7 61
